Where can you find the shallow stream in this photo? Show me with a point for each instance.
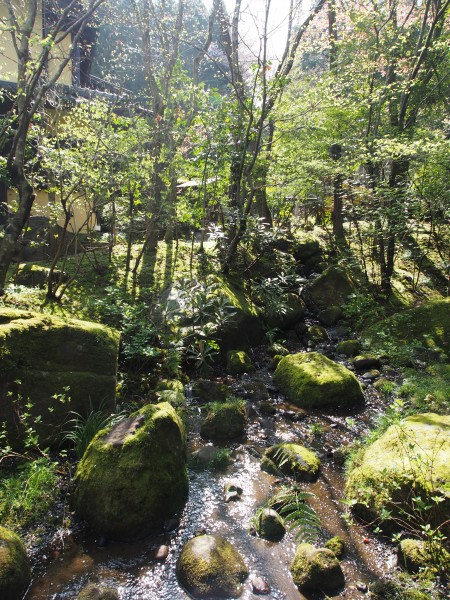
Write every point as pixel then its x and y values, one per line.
pixel 132 568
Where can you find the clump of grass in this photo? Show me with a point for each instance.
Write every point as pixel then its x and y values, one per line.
pixel 221 460
pixel 27 493
pixel 427 390
pixel 82 429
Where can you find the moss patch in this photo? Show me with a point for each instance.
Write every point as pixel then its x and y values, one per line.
pixel 134 476
pixel 418 332
pixel 313 380
pixel 210 567
pixel 332 288
pixel 411 459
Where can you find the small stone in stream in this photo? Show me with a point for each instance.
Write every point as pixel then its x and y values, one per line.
pixel 293 416
pixel 334 425
pixel 260 586
pixel 361 587
pixel 162 553
pixel 368 376
pixel 330 453
pixel 232 492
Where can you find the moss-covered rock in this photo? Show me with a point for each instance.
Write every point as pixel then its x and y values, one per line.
pixel 291 459
pixel 332 288
pixel 316 569
pixel 224 421
pixel 205 390
pixel 313 380
pixel 269 525
pixel 317 334
pixel 417 332
pixel 133 476
pixel 210 567
pixel 58 365
pixel 348 347
pixel 33 275
pixel 289 312
pixel 411 459
pixel 176 399
pixel 362 362
pixel 97 592
pixel 15 573
pixel 239 362
pixel 330 316
pixel 336 545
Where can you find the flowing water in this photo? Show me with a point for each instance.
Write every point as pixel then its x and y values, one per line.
pixel 132 568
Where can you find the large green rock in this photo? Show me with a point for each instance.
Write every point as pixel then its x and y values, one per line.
pixel 313 380
pixel 410 460
pixel 210 567
pixel 133 476
pixel 96 592
pixel 57 365
pixel 332 288
pixel 316 569
pixel 224 420
pixel 291 459
pixel 422 332
pixel 15 573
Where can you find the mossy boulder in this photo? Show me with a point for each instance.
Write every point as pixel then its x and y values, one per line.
pixel 133 476
pixel 308 252
pixel 411 459
pixel 330 316
pixel 205 390
pixel 422 332
pixel 316 569
pixel 15 572
pixel 290 311
pixel 414 555
pixel 269 525
pixel 332 288
pixel 210 567
pixel 58 365
pixel 224 421
pixel 313 380
pixel 239 362
pixel 33 275
pixel 317 334
pixel 362 362
pixel 291 459
pixel 336 545
pixel 348 347
pixel 97 592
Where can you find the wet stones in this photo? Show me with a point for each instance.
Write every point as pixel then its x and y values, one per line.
pixel 133 477
pixel 209 566
pixel 313 380
pixel 348 347
pixel 316 569
pixel 260 586
pixel 15 573
pixel 291 459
